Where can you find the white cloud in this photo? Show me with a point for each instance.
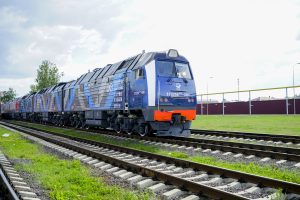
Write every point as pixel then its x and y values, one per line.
pixel 257 41
pixel 252 40
pixel 68 46
pixel 21 85
pixel 11 18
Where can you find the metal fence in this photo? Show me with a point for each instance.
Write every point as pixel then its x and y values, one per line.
pixel 280 100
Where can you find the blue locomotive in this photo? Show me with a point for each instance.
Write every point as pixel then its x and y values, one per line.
pixel 151 92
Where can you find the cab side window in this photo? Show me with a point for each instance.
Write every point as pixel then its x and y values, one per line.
pixel 139 73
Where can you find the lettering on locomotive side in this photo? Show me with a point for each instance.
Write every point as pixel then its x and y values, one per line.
pixel 117 105
pixel 118 99
pixel 141 92
pixel 177 94
pixel 118 94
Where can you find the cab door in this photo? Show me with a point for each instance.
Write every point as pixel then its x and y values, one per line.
pixel 137 89
pixel 126 91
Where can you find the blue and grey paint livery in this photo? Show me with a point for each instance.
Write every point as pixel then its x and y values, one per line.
pixel 151 92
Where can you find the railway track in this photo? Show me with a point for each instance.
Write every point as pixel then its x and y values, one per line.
pixel 250 151
pixel 289 139
pixel 6 190
pixel 282 154
pixel 12 185
pixel 200 179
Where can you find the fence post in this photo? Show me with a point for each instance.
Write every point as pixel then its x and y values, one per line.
pixel 201 105
pixel 223 106
pixel 250 102
pixel 207 104
pixel 286 101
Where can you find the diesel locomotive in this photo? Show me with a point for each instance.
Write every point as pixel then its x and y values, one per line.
pixel 150 93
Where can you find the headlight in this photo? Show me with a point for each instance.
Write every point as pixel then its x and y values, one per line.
pixel 163 100
pixel 173 53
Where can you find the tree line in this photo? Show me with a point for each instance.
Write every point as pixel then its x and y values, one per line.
pixel 47 75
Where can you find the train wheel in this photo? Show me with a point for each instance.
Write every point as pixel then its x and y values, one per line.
pixel 73 122
pixel 129 132
pixel 144 131
pixel 118 128
pixel 77 124
pixel 82 124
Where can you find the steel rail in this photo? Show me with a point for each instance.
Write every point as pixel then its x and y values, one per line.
pixel 247 149
pixel 291 154
pixel 285 153
pixel 7 191
pixel 257 136
pixel 188 185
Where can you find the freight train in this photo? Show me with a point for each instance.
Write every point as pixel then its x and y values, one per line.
pixel 150 93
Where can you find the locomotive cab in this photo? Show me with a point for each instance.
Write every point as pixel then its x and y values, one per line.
pixel 171 95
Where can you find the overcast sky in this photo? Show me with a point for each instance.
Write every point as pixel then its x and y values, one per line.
pixel 255 41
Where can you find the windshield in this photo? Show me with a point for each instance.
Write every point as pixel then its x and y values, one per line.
pixel 173 69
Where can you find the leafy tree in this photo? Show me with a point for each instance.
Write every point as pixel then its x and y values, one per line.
pixel 8 95
pixel 47 75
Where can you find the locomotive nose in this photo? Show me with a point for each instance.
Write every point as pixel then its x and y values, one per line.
pixel 175 116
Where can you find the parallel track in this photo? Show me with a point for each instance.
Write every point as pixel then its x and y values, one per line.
pixel 274 152
pixel 256 136
pixel 189 185
pixel 284 153
pixel 292 154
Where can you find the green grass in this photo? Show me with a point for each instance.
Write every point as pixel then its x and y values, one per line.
pixel 65 179
pixel 96 137
pixel 274 124
pixel 267 170
pixel 251 168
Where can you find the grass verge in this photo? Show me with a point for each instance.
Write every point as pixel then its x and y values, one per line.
pixel 66 179
pixel 271 124
pixel 252 168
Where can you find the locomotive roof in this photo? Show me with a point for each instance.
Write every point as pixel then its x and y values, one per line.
pixel 130 63
pixel 30 95
pixel 58 86
pixel 133 62
pixel 70 84
pixel 149 56
pixel 25 96
pixel 96 74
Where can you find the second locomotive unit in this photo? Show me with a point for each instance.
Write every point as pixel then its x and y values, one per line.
pixel 151 92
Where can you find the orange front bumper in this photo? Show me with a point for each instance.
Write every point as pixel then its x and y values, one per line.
pixel 167 115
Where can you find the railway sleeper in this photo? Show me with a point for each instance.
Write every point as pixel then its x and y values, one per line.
pixel 20 186
pixel 133 179
pixel 245 189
